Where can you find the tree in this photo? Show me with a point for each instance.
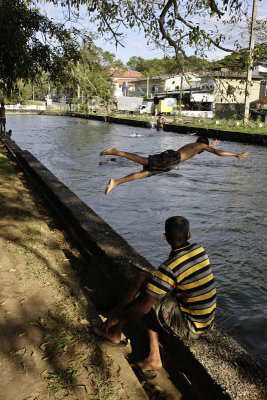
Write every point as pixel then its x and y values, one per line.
pixel 168 23
pixel 260 52
pixel 92 73
pixel 30 42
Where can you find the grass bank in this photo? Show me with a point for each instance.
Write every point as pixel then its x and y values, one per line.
pixel 224 125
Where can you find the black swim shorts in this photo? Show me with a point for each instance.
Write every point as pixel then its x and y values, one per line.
pixel 162 162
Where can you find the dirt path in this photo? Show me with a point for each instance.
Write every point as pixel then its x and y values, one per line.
pixel 46 350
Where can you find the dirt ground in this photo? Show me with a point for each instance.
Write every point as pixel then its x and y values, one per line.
pixel 46 349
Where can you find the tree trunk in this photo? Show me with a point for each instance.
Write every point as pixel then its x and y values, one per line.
pixel 107 106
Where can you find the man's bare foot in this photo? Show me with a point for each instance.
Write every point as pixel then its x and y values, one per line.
pixel 148 365
pixel 108 151
pixel 111 185
pixel 113 337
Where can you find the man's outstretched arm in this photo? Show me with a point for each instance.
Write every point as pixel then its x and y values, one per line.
pixel 225 153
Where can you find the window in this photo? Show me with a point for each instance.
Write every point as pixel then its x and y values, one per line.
pixel 230 90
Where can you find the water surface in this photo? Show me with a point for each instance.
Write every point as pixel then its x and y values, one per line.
pixel 223 197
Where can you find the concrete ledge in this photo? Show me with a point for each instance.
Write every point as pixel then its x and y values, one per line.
pixel 213 367
pixel 113 120
pixel 132 122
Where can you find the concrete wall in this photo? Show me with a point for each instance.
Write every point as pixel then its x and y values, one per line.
pixel 241 137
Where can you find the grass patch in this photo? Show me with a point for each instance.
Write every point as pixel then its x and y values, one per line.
pixel 78 357
pixel 62 380
pixel 226 126
pixel 32 230
pixel 6 170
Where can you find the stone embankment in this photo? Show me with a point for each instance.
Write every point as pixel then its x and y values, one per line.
pixel 215 366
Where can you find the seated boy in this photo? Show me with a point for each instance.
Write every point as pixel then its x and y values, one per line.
pixel 165 161
pixel 180 298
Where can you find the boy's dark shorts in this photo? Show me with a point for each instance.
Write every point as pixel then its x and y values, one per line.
pixel 162 162
pixel 166 315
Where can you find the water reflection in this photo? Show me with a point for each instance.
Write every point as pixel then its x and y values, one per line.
pixel 224 198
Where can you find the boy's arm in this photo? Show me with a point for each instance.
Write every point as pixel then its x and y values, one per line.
pixel 225 153
pixel 139 281
pixel 136 310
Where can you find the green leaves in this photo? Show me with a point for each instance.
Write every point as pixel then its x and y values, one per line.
pixel 30 41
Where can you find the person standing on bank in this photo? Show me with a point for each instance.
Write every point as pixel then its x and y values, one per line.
pixel 166 161
pixel 180 298
pixel 3 118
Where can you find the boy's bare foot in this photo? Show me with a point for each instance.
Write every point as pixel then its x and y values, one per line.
pixel 111 185
pixel 108 151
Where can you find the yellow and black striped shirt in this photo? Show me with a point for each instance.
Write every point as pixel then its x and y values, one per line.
pixel 187 275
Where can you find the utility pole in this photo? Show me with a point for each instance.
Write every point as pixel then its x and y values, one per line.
pixel 147 87
pixel 250 61
pixel 78 95
pixel 181 93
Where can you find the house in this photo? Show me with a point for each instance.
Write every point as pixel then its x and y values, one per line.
pixel 259 108
pixel 260 70
pixel 151 86
pixel 226 92
pixel 124 81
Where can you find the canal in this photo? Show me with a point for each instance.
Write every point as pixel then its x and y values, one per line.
pixel 223 197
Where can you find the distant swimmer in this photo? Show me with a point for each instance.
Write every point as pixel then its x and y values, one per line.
pixel 166 161
pixel 136 135
pixel 106 162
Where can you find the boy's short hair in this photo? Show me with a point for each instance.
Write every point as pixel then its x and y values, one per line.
pixel 203 139
pixel 176 229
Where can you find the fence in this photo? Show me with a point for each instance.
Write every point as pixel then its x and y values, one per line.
pixel 26 108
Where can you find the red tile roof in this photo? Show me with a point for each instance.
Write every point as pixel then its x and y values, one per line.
pixel 125 74
pixel 263 100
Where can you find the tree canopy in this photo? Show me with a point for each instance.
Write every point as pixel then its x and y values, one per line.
pixel 30 42
pixel 168 23
pixel 166 65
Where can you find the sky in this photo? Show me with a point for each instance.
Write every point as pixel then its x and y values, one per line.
pixel 135 43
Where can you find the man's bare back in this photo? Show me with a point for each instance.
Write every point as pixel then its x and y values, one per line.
pixel 190 150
